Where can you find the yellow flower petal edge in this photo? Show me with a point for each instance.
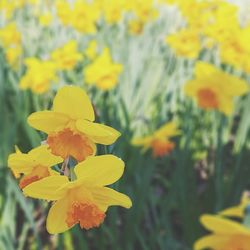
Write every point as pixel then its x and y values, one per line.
pixel 99 133
pixel 100 170
pixel 74 102
pixel 48 188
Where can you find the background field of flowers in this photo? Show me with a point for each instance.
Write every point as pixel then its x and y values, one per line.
pixel 135 60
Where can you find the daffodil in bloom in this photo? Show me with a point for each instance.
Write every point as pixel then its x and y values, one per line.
pixel 214 89
pixel 112 10
pixel 235 48
pixel 159 141
pixel 66 57
pixel 45 19
pixel 185 43
pixel 9 35
pixel 82 15
pixel 39 76
pixel 84 200
pixel 135 26
pixel 103 72
pixel 34 165
pixel 91 50
pixel 70 127
pixel 226 234
pixel 13 56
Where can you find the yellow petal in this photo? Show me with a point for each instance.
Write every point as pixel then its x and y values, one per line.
pixel 74 102
pixel 167 130
pixel 220 225
pixel 226 105
pixel 204 70
pixel 211 241
pixel 42 156
pixel 145 141
pixel 237 211
pixel 47 121
pixel 49 188
pixel 20 163
pixel 100 170
pixel 99 133
pixel 106 197
pixel 56 220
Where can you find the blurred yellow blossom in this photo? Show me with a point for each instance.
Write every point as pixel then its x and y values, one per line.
pixel 84 200
pixel 91 50
pixel 39 75
pixel 82 15
pixel 45 19
pixel 34 165
pixel 13 55
pixel 185 43
pixel 9 35
pixel 226 234
pixel 64 12
pixel 235 49
pixel 112 10
pixel 67 56
pixel 214 89
pixel 103 72
pixel 159 141
pixel 135 26
pixel 70 127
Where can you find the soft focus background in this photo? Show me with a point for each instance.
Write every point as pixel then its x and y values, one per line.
pixel 208 169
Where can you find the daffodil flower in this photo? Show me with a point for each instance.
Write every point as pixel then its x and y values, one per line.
pixel 67 56
pixel 70 127
pixel 35 165
pixel 227 234
pixel 84 200
pixel 159 140
pixel 214 89
pixel 103 72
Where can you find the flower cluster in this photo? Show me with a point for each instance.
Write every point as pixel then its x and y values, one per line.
pixel 207 26
pixel 159 141
pixel 79 192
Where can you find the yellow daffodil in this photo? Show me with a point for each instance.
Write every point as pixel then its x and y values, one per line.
pixel 84 200
pixel 144 10
pixel 64 12
pixel 85 15
pixel 235 48
pixel 135 26
pixel 185 43
pixel 9 35
pixel 159 140
pixel 66 57
pixel 13 55
pixel 45 19
pixel 40 74
pixel 112 10
pixel 34 165
pixel 103 72
pixel 91 50
pixel 70 127
pixel 214 89
pixel 227 234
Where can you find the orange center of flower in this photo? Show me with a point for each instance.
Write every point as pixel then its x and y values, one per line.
pixel 87 214
pixel 207 98
pixel 161 147
pixel 38 173
pixel 237 242
pixel 67 143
